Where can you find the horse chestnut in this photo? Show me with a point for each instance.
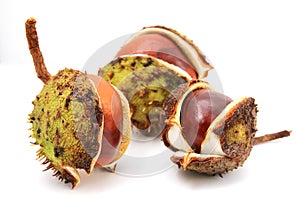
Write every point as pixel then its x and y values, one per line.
pixel 170 46
pixel 209 132
pixel 150 65
pixel 207 105
pixel 79 120
pixel 146 82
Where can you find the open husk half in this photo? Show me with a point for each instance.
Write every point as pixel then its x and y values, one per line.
pixel 227 141
pixel 146 82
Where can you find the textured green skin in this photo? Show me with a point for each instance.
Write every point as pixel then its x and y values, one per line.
pixel 66 123
pixel 146 83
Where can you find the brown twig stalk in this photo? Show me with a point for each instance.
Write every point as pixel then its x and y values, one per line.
pixel 270 137
pixel 37 56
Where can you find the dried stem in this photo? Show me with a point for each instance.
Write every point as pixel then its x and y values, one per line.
pixel 270 137
pixel 33 44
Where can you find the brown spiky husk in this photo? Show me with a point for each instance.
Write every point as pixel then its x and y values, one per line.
pixel 236 133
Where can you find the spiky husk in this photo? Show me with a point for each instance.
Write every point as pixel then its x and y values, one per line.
pixel 210 164
pixel 67 123
pixel 145 82
pixel 235 129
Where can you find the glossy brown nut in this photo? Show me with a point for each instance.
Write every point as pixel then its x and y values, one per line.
pixel 113 120
pixel 208 131
pixel 228 141
pixel 198 110
pixel 170 46
pixel 160 47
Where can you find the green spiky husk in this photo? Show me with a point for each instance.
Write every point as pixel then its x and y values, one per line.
pixel 66 123
pixel 145 82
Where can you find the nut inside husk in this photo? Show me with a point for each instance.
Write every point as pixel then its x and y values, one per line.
pixel 67 123
pixel 68 119
pixel 172 135
pixel 230 138
pixel 117 125
pixel 146 82
pixel 171 46
pixel 227 142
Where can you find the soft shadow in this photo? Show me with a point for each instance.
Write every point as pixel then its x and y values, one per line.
pixel 194 180
pixel 99 180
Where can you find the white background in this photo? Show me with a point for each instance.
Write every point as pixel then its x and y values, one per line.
pixel 254 45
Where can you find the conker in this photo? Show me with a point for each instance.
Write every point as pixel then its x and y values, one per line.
pixel 168 45
pixel 81 121
pixel 209 132
pixel 78 120
pixel 204 126
pixel 199 109
pixel 150 65
pixel 114 120
pixel 146 82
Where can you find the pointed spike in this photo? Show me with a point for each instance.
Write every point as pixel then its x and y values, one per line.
pixel 40 158
pixel 56 174
pixel 48 167
pixel 33 143
pixel 45 162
